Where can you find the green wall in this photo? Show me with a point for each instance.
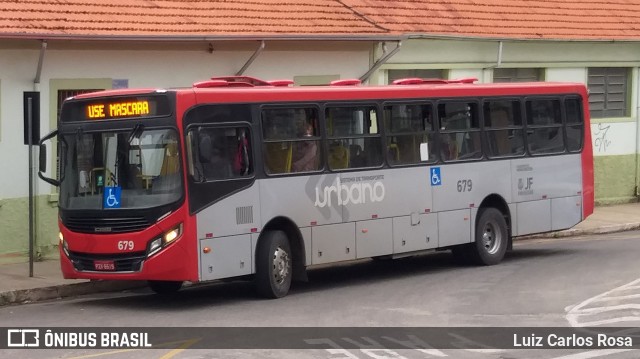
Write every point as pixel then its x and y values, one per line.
pixel 615 179
pixel 14 221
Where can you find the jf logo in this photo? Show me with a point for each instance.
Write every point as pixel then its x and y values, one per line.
pixel 522 185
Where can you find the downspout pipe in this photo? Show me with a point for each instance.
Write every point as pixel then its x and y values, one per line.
pixel 385 57
pixel 251 59
pixel 36 81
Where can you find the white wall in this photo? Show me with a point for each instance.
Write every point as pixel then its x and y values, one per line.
pixel 142 68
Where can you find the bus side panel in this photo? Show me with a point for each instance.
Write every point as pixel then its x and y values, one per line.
pixel 374 238
pixel 228 257
pixel 415 232
pixel 454 227
pixel 466 185
pixel 306 200
pixel 386 193
pixel 534 216
pixel 566 212
pixel 537 182
pixel 333 243
pixel 237 214
pixel 224 228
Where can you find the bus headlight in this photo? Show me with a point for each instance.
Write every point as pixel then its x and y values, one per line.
pixel 63 244
pixel 166 238
pixel 172 235
pixel 155 246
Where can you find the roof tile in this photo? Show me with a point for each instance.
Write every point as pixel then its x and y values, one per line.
pixel 520 19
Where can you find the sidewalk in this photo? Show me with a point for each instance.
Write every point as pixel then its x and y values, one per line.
pixel 47 283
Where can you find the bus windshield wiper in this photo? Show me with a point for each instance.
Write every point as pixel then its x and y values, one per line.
pixel 136 132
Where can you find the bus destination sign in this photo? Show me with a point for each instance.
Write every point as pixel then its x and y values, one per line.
pixel 115 108
pixel 101 111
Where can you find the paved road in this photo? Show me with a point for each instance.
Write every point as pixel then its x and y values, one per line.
pixel 582 281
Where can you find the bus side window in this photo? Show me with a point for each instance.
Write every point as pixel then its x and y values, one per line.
pixel 503 128
pixel 544 126
pixel 459 131
pixel 575 124
pixel 291 140
pixel 221 153
pixel 353 137
pixel 409 127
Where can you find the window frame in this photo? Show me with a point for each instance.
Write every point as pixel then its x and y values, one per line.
pixel 387 134
pixel 486 130
pixel 190 155
pixel 318 138
pixel 566 123
pixel 327 137
pixel 525 100
pixel 440 131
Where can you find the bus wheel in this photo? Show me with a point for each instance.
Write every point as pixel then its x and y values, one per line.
pixel 273 265
pixel 164 286
pixel 492 237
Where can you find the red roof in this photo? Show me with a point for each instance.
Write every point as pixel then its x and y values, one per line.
pixel 508 19
pixel 181 18
pixel 521 19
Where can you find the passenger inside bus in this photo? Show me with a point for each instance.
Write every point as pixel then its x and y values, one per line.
pixel 305 153
pixel 242 164
pixel 212 159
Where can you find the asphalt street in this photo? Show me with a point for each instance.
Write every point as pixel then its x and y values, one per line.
pixel 591 281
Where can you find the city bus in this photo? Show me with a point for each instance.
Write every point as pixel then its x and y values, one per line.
pixel 237 177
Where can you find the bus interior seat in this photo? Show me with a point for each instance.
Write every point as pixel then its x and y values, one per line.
pixel 356 156
pixel 170 163
pixel 338 156
pixel 393 153
pixel 407 149
pixel 278 157
pixel 500 119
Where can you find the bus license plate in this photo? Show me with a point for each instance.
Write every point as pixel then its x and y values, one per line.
pixel 104 265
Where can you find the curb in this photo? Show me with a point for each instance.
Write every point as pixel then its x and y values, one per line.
pixel 581 232
pixel 65 290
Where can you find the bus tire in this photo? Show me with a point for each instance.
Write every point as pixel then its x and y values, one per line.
pixel 165 286
pixel 492 237
pixel 273 265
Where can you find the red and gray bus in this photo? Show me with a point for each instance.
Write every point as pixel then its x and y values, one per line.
pixel 237 177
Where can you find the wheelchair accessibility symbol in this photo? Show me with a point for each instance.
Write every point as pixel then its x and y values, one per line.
pixel 111 198
pixel 436 179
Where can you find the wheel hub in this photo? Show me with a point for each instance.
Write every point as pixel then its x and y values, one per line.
pixel 281 264
pixel 491 238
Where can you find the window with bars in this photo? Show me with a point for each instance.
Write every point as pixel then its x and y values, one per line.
pixel 608 91
pixel 517 75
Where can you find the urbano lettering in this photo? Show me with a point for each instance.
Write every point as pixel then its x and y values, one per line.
pixel 355 193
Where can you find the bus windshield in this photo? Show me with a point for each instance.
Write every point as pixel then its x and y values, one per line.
pixel 135 168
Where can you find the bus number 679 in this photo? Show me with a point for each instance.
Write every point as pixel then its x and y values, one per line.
pixel 465 185
pixel 125 245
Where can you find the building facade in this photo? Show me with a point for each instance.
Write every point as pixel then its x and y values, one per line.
pixel 66 49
